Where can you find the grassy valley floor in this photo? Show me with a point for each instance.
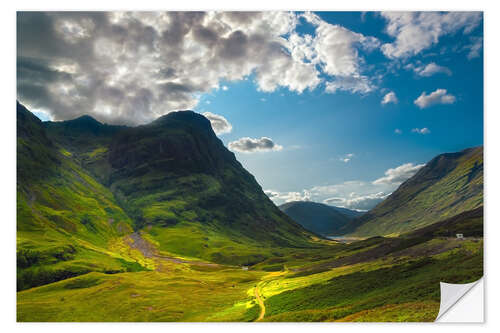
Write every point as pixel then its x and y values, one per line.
pixel 379 279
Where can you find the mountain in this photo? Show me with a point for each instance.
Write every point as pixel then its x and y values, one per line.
pixel 349 212
pixel 85 187
pixel 177 179
pixel 448 185
pixel 317 217
pixel 87 139
pixel 81 133
pixel 65 219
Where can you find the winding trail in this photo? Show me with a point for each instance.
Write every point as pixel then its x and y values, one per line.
pixel 261 304
pixel 268 278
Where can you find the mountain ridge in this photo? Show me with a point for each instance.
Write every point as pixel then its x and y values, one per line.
pixel 447 185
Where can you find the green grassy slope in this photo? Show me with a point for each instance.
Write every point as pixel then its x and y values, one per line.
pixel 65 219
pixel 449 184
pixel 178 182
pixel 382 279
pixel 319 218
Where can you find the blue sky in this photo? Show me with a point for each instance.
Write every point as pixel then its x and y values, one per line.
pixel 299 97
pixel 318 130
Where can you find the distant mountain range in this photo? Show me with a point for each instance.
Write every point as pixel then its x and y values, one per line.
pixel 448 185
pixel 317 217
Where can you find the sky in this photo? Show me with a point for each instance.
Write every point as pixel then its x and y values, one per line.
pixel 332 107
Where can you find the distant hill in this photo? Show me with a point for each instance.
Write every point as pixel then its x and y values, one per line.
pixel 317 217
pixel 349 212
pixel 449 184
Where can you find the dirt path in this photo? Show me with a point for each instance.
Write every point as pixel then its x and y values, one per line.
pixel 136 241
pixel 261 303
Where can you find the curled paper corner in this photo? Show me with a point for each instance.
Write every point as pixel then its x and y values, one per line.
pixel 452 294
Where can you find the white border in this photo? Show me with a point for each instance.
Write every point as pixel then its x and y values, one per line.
pixel 8 143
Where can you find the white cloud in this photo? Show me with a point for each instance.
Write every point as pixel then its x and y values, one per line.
pixel 220 124
pixel 358 195
pixel 346 158
pixel 250 145
pixel 398 131
pixel 357 202
pixel 354 194
pixel 354 84
pixel 439 96
pixel 399 174
pixel 390 98
pixel 474 48
pixel 288 196
pixel 131 67
pixel 417 31
pixel 424 130
pixel 334 49
pixel 431 69
pixel 225 88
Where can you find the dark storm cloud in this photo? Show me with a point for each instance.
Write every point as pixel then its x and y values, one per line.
pixel 131 67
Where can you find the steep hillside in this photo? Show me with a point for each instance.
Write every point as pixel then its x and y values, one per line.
pixel 449 184
pixel 175 177
pixel 88 140
pixel 65 219
pixel 317 217
pixel 181 187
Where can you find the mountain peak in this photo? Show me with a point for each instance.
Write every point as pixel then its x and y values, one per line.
pixel 184 117
pixel 87 119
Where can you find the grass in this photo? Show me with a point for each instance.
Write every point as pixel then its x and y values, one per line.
pixel 403 286
pixel 65 225
pixel 356 289
pixel 141 296
pixel 429 199
pixel 79 209
pixel 371 291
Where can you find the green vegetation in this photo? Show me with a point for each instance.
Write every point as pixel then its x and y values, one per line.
pixel 161 223
pixel 412 281
pixel 402 286
pixel 448 185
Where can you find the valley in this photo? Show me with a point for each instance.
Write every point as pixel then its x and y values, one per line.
pixel 160 222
